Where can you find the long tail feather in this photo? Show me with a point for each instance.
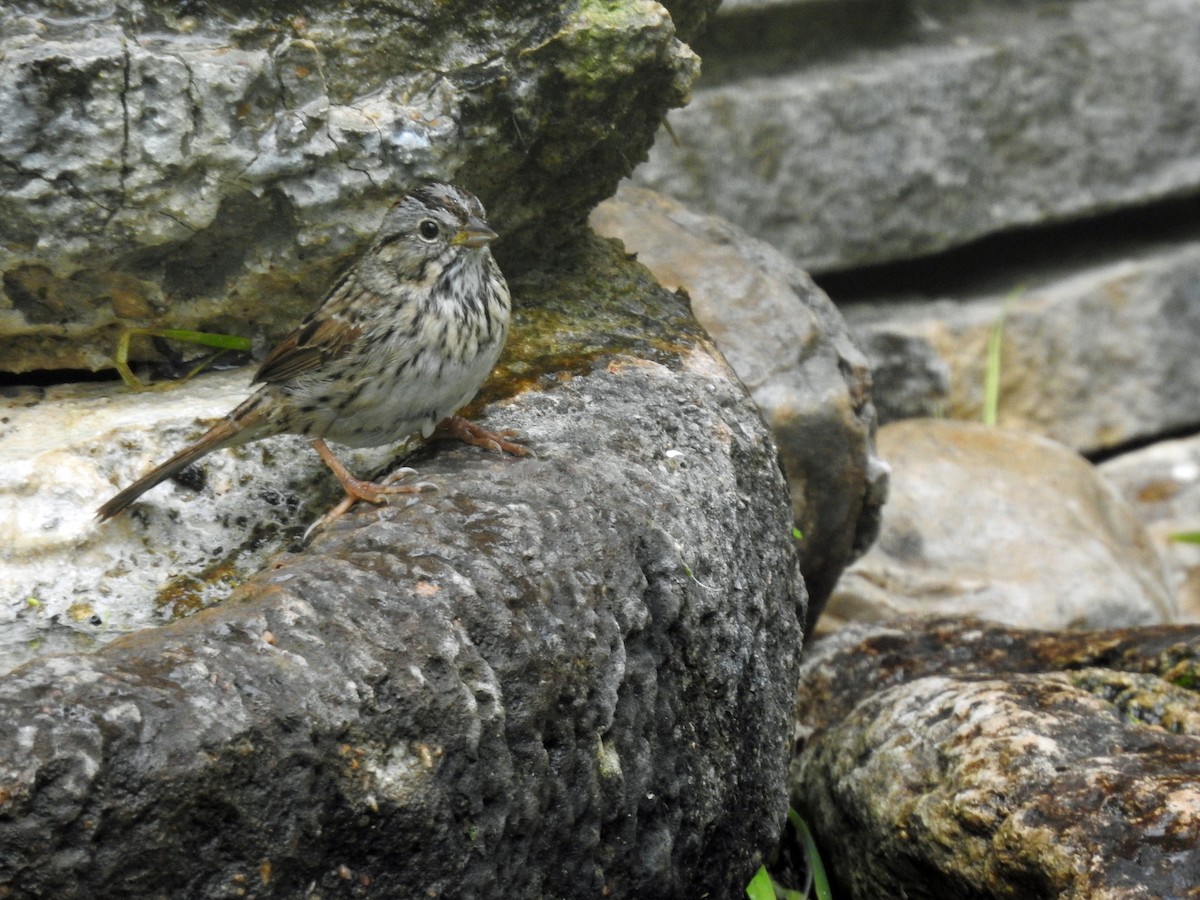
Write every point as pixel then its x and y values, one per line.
pixel 238 427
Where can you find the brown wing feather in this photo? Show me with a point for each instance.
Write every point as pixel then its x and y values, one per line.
pixel 307 348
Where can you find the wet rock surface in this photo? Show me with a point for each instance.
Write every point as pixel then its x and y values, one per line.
pixel 957 759
pixel 555 675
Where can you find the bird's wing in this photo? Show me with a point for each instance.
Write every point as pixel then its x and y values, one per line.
pixel 321 337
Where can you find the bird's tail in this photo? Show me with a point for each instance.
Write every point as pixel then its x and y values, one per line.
pixel 240 426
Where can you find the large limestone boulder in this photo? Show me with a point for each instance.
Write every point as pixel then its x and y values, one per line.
pixel 1006 526
pixel 563 675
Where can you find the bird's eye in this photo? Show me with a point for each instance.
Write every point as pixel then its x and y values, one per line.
pixel 428 229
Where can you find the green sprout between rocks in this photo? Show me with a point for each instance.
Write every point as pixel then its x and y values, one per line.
pixel 991 375
pixel 1186 537
pixel 220 342
pixel 797 534
pixel 763 887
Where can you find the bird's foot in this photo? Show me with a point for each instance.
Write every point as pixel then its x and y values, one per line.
pixel 356 489
pixel 470 433
pixel 372 491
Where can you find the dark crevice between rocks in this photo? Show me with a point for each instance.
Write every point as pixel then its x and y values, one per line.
pixel 172 366
pixel 799 36
pixel 1107 453
pixel 14 383
pixel 1021 259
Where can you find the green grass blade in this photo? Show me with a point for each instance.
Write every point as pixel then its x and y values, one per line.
pixel 220 342
pixel 991 375
pixel 811 856
pixel 205 338
pixel 760 886
pixel 1186 537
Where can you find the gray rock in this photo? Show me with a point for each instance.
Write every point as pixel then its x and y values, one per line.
pixel 791 348
pixel 1162 485
pixel 210 165
pixel 856 133
pixel 961 760
pixel 562 675
pixel 909 379
pixel 1004 525
pixel 1097 357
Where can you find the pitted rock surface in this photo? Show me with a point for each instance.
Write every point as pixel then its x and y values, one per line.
pixel 962 759
pixel 556 676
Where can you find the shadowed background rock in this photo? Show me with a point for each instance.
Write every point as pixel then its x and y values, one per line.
pixel 1003 524
pixel 851 132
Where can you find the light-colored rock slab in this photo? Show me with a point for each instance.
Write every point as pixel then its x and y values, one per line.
pixel 977 118
pixel 1002 525
pixel 70 582
pixel 1095 359
pixel 1162 484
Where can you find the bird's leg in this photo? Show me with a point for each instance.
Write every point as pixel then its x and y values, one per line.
pixel 356 488
pixel 470 433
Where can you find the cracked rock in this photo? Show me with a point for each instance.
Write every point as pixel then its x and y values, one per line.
pixel 211 169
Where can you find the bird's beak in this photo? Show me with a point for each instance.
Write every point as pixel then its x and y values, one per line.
pixel 474 234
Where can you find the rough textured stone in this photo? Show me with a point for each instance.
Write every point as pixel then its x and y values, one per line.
pixel 1162 485
pixel 790 347
pixel 1005 525
pixel 855 133
pixel 960 760
pixel 1097 358
pixel 557 676
pixel 210 165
